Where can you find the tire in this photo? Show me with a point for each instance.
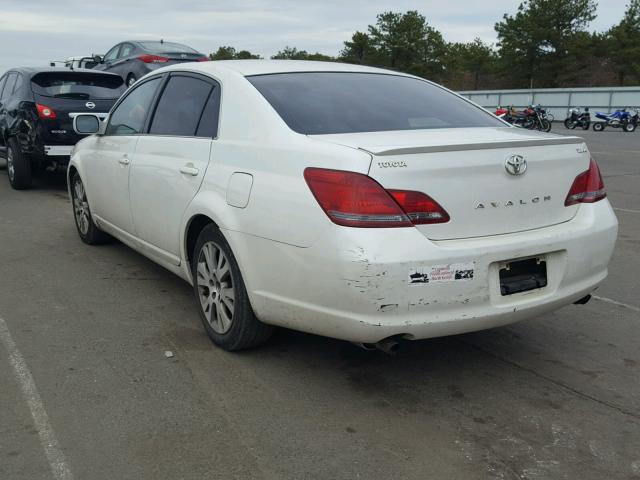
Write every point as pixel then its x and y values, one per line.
pixel 569 124
pixel 545 125
pixel 131 79
pixel 629 127
pixel 87 230
pixel 598 127
pixel 221 295
pixel 18 166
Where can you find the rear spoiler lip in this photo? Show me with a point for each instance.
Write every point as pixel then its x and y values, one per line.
pixel 472 146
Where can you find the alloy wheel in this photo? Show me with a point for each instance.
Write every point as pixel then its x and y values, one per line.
pixel 216 289
pixel 81 207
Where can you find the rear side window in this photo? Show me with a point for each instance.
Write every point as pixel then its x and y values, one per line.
pixel 129 116
pixel 180 107
pixel 316 103
pixel 19 82
pixel 208 126
pixel 78 85
pixel 126 50
pixel 3 80
pixel 8 87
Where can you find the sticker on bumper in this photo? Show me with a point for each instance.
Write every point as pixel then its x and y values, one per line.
pixel 453 272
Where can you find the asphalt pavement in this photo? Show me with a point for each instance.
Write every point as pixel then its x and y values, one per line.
pixel 87 392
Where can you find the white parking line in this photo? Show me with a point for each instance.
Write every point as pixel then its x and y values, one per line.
pixel 626 210
pixel 615 302
pixel 48 439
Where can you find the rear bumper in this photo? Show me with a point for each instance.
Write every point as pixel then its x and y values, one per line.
pixel 354 284
pixel 57 150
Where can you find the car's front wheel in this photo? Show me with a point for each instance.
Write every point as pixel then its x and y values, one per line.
pixel 222 298
pixel 87 230
pixel 18 166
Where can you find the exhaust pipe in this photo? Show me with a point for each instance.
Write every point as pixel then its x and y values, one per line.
pixel 390 346
pixel 583 300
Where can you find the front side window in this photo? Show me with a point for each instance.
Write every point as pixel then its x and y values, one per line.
pixel 112 54
pixel 129 116
pixel 316 103
pixel 180 107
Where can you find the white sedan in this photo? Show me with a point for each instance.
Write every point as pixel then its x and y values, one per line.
pixel 346 201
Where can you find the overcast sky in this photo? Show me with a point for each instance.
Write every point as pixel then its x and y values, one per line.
pixel 33 32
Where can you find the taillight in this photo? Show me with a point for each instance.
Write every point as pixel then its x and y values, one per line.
pixel 588 187
pixel 45 112
pixel 420 207
pixel 356 200
pixel 203 59
pixel 152 58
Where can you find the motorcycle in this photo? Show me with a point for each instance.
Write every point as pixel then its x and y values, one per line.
pixel 577 118
pixel 538 119
pixel 511 115
pixel 618 119
pixel 532 118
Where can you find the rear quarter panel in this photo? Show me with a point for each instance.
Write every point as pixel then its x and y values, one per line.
pixel 253 139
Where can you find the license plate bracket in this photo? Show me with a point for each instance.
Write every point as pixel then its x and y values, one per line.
pixel 519 276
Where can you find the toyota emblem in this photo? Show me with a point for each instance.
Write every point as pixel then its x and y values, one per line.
pixel 90 105
pixel 515 165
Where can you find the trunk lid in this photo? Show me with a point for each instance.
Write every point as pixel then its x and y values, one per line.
pixel 67 92
pixel 182 57
pixel 59 130
pixel 464 170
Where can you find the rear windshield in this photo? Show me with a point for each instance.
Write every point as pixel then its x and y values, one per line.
pixel 317 103
pixel 166 47
pixel 77 85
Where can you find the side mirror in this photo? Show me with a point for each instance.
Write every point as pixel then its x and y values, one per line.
pixel 97 58
pixel 87 124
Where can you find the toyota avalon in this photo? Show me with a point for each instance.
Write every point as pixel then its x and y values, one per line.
pixel 341 200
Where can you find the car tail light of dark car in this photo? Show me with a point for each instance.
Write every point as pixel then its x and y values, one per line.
pixel 146 58
pixel 45 112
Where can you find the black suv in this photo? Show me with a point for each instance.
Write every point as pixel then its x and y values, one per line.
pixel 37 107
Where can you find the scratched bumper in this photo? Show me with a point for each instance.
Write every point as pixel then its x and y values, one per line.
pixel 355 284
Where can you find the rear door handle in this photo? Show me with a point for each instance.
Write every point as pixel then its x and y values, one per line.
pixel 189 169
pixel 124 160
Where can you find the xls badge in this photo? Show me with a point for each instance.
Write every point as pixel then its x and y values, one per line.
pixel 515 165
